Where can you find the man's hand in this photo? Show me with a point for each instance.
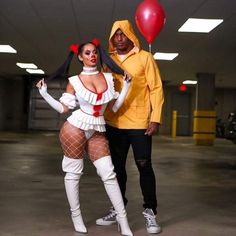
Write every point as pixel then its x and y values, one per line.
pixel 152 129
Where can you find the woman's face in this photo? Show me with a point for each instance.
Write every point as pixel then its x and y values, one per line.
pixel 89 55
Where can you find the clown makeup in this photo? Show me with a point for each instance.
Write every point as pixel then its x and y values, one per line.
pixel 88 55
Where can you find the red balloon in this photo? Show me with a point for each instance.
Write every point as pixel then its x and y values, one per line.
pixel 150 19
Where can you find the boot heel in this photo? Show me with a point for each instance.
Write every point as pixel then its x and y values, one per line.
pixel 123 226
pixel 79 224
pixel 118 227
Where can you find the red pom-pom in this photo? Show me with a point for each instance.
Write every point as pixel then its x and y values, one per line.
pixel 97 107
pixel 74 48
pixel 95 42
pixel 96 114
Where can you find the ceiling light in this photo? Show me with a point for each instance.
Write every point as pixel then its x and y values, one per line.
pixel 33 71
pixel 189 82
pixel 26 65
pixel 7 49
pixel 199 25
pixel 165 56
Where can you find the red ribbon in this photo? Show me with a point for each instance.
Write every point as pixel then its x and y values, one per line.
pixel 74 48
pixel 99 96
pixel 95 42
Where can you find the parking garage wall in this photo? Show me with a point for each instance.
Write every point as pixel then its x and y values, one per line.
pixel 21 107
pixel 13 104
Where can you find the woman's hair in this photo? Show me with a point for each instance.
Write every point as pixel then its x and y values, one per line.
pixel 63 70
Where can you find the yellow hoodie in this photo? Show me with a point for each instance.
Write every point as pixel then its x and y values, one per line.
pixel 144 100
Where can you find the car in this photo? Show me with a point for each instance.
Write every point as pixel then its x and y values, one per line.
pixel 230 127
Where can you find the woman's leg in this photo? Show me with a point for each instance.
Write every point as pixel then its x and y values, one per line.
pixel 73 142
pixel 119 146
pixel 98 151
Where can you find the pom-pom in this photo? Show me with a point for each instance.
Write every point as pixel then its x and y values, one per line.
pixel 95 42
pixel 74 48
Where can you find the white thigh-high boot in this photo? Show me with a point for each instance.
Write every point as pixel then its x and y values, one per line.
pixel 74 170
pixel 105 170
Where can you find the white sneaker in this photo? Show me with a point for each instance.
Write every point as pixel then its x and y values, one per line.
pixel 150 222
pixel 109 219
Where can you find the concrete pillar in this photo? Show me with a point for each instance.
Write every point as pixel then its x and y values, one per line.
pixel 204 124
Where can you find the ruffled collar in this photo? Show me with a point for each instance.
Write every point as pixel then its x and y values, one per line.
pixel 90 96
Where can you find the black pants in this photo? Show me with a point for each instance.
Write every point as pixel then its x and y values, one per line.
pixel 119 142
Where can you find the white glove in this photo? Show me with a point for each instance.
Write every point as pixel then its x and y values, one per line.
pixel 41 85
pixel 123 94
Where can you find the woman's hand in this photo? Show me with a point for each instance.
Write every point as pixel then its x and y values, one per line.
pixel 56 105
pixel 127 77
pixel 40 83
pixel 42 86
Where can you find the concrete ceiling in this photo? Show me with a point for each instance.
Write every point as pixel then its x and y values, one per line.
pixel 42 30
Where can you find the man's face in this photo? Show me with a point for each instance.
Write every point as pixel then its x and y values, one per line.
pixel 121 42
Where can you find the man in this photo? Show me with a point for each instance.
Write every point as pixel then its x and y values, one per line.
pixel 137 120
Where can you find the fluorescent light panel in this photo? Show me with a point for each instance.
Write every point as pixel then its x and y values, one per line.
pixel 26 65
pixel 35 71
pixel 189 82
pixel 200 25
pixel 7 49
pixel 165 56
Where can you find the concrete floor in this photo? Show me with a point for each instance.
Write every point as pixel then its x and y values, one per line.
pixel 196 189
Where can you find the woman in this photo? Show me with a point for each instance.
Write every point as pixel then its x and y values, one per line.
pixel 84 129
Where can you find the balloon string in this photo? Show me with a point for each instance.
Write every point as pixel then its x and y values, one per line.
pixel 150 47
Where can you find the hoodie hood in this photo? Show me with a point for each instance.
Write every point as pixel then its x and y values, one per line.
pixel 126 27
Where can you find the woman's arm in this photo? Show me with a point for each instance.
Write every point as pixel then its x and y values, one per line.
pixel 119 101
pixel 56 105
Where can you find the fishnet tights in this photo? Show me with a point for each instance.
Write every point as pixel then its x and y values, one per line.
pixel 75 144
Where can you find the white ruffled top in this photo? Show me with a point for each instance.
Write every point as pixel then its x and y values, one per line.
pixel 92 105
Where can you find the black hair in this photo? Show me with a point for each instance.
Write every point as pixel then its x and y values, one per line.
pixel 106 59
pixel 63 70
